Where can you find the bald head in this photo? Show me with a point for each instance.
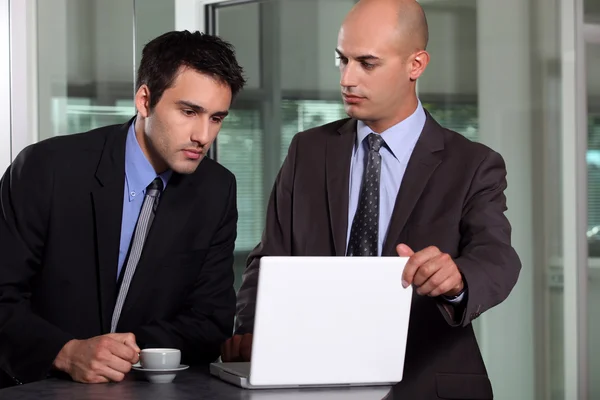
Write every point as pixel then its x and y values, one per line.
pixel 381 47
pixel 404 17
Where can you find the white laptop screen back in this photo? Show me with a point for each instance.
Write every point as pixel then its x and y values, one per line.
pixel 330 320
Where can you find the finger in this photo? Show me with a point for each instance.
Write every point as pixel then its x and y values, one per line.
pixel 235 347
pixel 98 379
pixel 226 351
pixel 122 351
pixel 454 283
pixel 446 286
pixel 118 364
pixel 415 261
pixel 131 342
pixel 246 347
pixel 90 378
pixel 428 269
pixel 434 283
pixel 110 374
pixel 98 368
pixel 404 251
pixel 127 339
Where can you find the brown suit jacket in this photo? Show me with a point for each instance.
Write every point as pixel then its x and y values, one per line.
pixel 451 197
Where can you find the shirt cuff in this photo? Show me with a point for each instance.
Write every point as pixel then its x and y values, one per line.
pixel 455 299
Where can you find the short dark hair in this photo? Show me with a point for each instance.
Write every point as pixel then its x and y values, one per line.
pixel 208 54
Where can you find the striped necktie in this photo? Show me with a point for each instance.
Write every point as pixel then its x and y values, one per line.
pixel 137 245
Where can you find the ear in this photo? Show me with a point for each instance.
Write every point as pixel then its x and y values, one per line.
pixel 142 101
pixel 417 63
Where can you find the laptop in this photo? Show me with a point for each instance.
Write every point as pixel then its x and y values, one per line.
pixel 326 322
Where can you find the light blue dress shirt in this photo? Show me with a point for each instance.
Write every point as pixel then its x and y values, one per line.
pixel 400 141
pixel 139 173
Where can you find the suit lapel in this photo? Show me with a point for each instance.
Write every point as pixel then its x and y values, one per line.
pixel 176 204
pixel 338 155
pixel 107 200
pixel 426 157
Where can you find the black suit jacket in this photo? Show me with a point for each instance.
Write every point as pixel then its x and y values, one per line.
pixel 61 202
pixel 451 197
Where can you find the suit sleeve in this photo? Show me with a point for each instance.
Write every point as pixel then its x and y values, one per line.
pixel 489 264
pixel 28 343
pixel 207 317
pixel 276 239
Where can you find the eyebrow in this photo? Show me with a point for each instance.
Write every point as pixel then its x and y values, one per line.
pixel 365 57
pixel 200 109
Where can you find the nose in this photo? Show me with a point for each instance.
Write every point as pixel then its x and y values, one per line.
pixel 201 134
pixel 348 75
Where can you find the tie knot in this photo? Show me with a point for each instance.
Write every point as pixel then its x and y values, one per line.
pixel 375 141
pixel 155 187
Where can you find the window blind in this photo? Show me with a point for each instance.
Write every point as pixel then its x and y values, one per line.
pixel 239 148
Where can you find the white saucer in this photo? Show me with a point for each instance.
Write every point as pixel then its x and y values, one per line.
pixel 160 375
pixel 181 367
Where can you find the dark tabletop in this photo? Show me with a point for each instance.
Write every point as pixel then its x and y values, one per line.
pixel 189 384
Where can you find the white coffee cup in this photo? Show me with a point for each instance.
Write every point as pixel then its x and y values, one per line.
pixel 160 358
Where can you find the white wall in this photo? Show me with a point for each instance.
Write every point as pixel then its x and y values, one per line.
pixel 4 87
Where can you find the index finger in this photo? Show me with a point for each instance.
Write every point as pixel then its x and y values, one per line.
pixel 235 347
pixel 123 351
pixel 246 347
pixel 226 351
pixel 125 338
pixel 130 341
pixel 415 262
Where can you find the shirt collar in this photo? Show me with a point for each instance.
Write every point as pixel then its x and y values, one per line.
pixel 139 173
pixel 398 136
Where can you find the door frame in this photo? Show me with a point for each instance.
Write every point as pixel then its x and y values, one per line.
pixel 574 133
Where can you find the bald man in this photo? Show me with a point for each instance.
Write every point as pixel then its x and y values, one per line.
pixel 440 200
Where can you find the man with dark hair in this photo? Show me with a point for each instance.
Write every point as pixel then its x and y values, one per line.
pixel 390 181
pixel 122 238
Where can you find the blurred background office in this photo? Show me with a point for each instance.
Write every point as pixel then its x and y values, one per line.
pixel 522 76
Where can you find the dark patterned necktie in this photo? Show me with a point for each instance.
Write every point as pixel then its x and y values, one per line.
pixel 364 234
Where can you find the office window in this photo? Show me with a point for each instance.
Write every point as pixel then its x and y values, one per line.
pixel 86 80
pixel 293 85
pixel 593 164
pixel 239 148
pixel 459 117
pixel 300 115
pixel 87 48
